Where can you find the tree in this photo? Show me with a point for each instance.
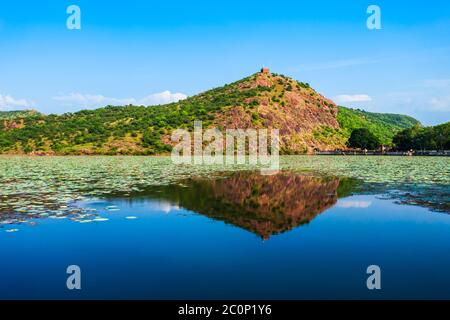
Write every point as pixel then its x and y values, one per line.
pixel 406 139
pixel 424 138
pixel 363 139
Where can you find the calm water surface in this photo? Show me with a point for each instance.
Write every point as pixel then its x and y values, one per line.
pixel 140 227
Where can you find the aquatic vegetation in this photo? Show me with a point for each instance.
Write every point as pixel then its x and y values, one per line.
pixel 51 187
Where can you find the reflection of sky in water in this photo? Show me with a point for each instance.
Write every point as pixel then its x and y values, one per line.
pixel 186 255
pixel 353 204
pixel 152 206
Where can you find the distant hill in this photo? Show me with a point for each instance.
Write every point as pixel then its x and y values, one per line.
pixel 383 125
pixel 306 120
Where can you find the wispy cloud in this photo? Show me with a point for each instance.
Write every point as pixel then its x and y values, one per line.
pixel 347 98
pixel 437 83
pixel 432 96
pixel 436 97
pixel 98 100
pixel 440 104
pixel 8 102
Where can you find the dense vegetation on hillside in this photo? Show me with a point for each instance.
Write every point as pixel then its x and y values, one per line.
pixel 383 125
pixel 424 138
pixel 16 114
pixel 144 130
pixel 117 129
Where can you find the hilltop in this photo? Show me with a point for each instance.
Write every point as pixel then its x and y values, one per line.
pixel 306 120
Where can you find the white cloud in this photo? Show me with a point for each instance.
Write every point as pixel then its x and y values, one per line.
pixel 162 98
pixel 90 100
pixel 354 204
pixel 441 104
pixel 352 98
pixel 437 83
pixel 98 100
pixel 8 102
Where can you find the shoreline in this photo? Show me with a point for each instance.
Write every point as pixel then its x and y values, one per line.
pixel 322 153
pixel 445 153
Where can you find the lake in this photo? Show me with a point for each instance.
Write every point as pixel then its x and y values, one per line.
pixel 144 228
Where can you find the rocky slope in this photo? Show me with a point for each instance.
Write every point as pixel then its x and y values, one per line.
pixel 282 103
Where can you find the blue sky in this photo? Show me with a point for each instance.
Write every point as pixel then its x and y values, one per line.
pixel 156 51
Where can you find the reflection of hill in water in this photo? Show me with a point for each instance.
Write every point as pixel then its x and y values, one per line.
pixel 265 205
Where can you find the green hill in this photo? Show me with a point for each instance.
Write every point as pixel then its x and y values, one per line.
pixel 306 121
pixel 383 125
